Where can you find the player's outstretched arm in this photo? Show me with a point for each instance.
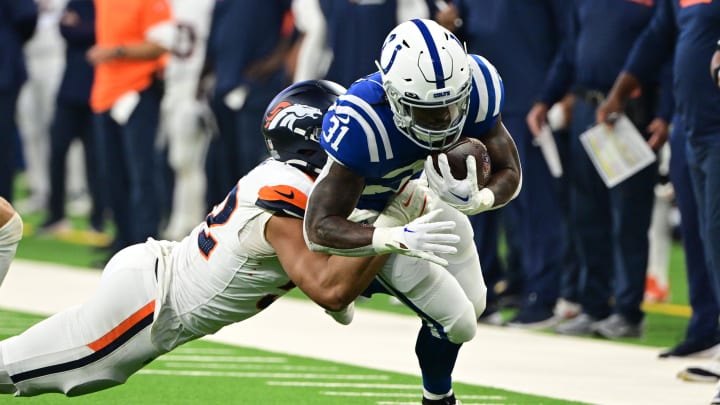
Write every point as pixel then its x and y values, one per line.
pixel 11 229
pixel 506 177
pixel 333 282
pixel 328 230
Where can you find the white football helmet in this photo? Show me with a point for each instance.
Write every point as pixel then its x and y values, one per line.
pixel 427 80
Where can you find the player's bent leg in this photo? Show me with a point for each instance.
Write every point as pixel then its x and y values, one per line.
pixel 11 229
pixel 93 346
pixel 465 264
pixel 434 294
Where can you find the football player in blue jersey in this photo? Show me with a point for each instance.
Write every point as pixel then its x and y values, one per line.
pixel 379 135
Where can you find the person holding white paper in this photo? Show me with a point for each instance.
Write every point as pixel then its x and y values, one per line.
pixel 611 224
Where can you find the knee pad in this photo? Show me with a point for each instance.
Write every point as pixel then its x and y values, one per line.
pixel 464 327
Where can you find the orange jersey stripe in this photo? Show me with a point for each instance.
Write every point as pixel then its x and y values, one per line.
pixel 284 193
pixel 123 327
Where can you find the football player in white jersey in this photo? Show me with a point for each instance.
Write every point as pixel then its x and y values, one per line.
pixel 248 252
pixel 427 93
pixel 184 121
pixel 11 229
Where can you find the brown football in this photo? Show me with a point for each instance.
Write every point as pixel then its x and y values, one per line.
pixel 458 152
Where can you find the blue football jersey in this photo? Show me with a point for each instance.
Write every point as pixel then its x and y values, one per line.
pixel 359 133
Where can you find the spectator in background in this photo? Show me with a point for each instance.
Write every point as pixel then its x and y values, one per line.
pixel 17 24
pixel 184 123
pixel 36 104
pixel 690 28
pixel 247 49
pixel 611 224
pixel 126 97
pixel 523 57
pixel 342 38
pixel 73 117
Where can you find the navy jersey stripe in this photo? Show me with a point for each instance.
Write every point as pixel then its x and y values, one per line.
pixel 84 361
pixel 434 54
pixel 281 208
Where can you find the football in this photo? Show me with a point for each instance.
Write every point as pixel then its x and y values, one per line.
pixel 458 152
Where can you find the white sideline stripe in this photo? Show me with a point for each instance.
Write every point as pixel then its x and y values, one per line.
pixel 239 374
pixel 402 395
pixel 342 385
pixel 222 359
pixel 370 394
pixel 226 366
pixel 576 369
pixel 202 350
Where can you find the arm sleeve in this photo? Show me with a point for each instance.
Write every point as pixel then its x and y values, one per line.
pixel 655 46
pixel 24 16
pixel 562 72
pixel 314 55
pixel 83 33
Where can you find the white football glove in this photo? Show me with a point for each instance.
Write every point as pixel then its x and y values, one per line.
pixel 420 238
pixel 410 203
pixel 465 194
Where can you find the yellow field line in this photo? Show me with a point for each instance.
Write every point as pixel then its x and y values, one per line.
pixel 667 309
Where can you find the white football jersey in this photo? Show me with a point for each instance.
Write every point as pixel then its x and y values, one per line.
pixel 225 271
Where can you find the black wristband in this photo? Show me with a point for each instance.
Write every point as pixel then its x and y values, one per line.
pixel 716 72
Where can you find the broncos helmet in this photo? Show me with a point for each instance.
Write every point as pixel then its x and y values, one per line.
pixel 293 122
pixel 427 80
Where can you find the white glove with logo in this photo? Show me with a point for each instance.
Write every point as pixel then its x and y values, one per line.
pixel 410 203
pixel 465 195
pixel 420 238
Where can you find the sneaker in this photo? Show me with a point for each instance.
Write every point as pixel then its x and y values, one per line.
pixel 698 374
pixel 344 316
pixel 616 326
pixel 449 400
pixel 491 317
pixel 693 348
pixel 534 318
pixel 565 309
pixel 655 291
pixel 54 227
pixel 581 325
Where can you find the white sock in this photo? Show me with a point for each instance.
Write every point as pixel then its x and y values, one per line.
pixel 429 395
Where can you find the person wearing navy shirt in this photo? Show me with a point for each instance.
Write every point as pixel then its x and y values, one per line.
pixel 17 25
pixel 523 56
pixel 246 52
pixel 611 225
pixel 73 116
pixel 691 28
pixel 348 21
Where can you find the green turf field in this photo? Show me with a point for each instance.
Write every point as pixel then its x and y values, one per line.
pixel 202 372
pixel 206 372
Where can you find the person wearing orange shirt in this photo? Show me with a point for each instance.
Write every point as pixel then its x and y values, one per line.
pixel 126 97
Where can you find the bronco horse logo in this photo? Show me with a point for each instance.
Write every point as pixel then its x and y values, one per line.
pixel 287 114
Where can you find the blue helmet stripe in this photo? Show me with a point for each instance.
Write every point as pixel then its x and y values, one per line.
pixel 434 55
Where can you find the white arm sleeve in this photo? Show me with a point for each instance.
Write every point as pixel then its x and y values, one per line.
pixel 409 9
pixel 314 55
pixel 10 235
